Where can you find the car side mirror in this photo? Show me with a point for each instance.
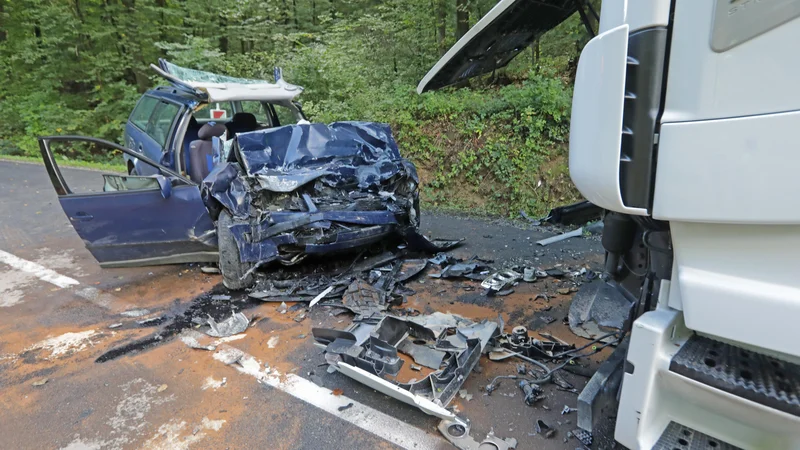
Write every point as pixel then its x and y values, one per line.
pixel 165 186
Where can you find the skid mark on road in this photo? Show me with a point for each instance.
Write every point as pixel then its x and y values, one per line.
pixel 37 270
pixel 360 415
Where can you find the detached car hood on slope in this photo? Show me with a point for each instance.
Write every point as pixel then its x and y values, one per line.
pixel 314 188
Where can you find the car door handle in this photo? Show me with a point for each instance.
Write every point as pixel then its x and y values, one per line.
pixel 82 216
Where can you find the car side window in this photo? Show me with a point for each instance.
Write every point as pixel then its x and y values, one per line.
pixel 257 109
pixel 286 115
pixel 144 109
pixel 161 122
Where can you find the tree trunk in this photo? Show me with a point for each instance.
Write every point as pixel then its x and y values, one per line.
pixel 441 24
pixel 462 18
pixel 314 12
pixel 535 55
pixel 3 32
pixel 294 13
pixel 223 36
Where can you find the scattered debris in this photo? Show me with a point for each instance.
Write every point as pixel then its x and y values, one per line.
pixel 567 410
pixel 583 436
pixel 282 308
pixel 499 281
pixel 209 269
pixel 532 392
pixel 236 324
pixel 337 392
pixel 575 213
pixel 299 317
pixel 162 388
pixel 592 228
pixel 273 342
pixel 416 368
pixel 457 432
pixel 544 430
pixel 320 296
pixel 345 407
pixel 114 325
pixel 529 274
pixel 518 341
pixel 40 382
pixel 597 309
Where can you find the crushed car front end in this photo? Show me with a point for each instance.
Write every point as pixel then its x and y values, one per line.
pixel 313 189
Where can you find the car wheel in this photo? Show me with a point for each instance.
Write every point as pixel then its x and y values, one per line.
pixel 234 272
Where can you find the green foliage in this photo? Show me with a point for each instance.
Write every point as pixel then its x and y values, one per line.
pixel 499 144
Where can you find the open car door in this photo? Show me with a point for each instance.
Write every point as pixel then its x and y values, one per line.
pixel 505 31
pixel 135 220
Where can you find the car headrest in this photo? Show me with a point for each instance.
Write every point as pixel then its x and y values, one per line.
pixel 245 119
pixel 210 130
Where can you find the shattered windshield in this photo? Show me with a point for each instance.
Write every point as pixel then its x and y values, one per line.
pixel 194 75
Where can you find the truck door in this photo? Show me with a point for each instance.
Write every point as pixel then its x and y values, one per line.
pixel 133 220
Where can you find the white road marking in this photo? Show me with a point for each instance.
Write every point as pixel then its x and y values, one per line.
pixel 382 425
pixel 37 270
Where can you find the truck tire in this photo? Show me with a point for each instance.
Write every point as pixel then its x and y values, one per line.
pixel 232 268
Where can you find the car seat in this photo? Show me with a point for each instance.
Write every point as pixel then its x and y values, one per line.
pixel 191 135
pixel 201 151
pixel 242 122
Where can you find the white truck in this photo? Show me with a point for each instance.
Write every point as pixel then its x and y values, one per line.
pixel 684 122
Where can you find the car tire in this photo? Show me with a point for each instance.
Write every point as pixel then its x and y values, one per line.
pixel 232 268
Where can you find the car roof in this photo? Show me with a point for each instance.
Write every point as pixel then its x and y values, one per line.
pixel 213 87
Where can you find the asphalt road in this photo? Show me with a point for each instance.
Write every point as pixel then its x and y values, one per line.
pixel 171 396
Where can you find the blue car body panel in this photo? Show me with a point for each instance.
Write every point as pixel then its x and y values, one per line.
pixel 141 225
pixel 137 227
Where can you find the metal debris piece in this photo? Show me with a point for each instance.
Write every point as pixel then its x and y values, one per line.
pixel 469 270
pixel 522 369
pixel 415 367
pixel 40 382
pixel 236 324
pixel 529 274
pixel 518 341
pixel 567 410
pixel 229 355
pixel 457 432
pixel 220 297
pixel 299 317
pixel 546 318
pixel 209 269
pixel 345 407
pixel 417 241
pixel 319 297
pixel 200 341
pixel 411 268
pixel 282 308
pixel 500 280
pixel 502 293
pixel 544 429
pixel 560 237
pixel 162 388
pixel 597 309
pixel 114 325
pixel 532 392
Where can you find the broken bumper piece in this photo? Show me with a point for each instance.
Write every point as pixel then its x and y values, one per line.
pixel 369 353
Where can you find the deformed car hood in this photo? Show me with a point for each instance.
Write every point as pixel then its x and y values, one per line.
pixel 505 31
pixel 285 158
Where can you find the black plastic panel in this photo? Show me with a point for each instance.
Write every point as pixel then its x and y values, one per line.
pixel 758 378
pixel 503 39
pixel 643 85
pixel 679 437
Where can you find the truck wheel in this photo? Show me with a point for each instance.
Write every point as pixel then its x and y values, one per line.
pixel 232 268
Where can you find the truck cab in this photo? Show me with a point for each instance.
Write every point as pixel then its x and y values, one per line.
pixel 682 130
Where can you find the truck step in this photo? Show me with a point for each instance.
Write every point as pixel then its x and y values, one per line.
pixel 679 437
pixel 755 377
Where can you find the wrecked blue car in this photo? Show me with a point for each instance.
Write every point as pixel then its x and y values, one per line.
pixel 274 195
